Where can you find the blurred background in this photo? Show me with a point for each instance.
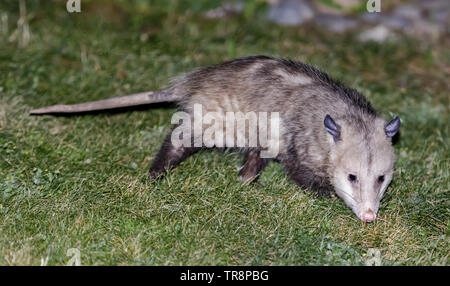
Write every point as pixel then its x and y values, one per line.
pixel 396 52
pixel 191 32
pixel 80 181
pixel 373 39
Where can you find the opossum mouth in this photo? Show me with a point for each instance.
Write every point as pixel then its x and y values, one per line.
pixel 366 215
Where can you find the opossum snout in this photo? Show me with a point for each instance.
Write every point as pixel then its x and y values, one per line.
pixel 368 216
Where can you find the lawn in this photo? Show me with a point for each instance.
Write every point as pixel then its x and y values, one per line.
pixel 80 181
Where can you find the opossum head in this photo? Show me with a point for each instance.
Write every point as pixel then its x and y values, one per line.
pixel 361 161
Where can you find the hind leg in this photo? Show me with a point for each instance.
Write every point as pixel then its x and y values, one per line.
pixel 252 166
pixel 169 157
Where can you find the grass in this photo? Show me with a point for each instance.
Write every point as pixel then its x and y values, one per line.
pixel 79 182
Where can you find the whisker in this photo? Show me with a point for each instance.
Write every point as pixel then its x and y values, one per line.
pixel 348 196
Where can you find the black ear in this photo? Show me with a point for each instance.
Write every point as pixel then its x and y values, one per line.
pixel 332 128
pixel 392 127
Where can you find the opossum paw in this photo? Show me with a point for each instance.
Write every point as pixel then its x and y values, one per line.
pixel 154 174
pixel 247 178
pixel 323 192
pixel 252 167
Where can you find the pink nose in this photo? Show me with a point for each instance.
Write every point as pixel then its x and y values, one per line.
pixel 368 216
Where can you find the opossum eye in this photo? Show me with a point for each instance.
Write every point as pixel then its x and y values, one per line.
pixel 380 179
pixel 352 178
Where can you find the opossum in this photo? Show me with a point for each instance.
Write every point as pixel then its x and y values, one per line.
pixel 330 137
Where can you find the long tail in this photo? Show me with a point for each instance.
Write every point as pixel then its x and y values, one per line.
pixel 143 98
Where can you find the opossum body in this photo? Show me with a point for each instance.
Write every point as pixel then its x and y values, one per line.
pixel 329 135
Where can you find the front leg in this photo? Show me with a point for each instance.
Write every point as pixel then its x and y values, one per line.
pixel 252 166
pixel 304 177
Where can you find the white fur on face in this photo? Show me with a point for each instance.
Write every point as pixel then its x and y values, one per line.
pixel 367 160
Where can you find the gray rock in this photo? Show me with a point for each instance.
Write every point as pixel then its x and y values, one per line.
pixel 396 22
pixel 336 23
pixel 227 9
pixel 388 20
pixel 441 18
pixel 424 29
pixel 378 34
pixel 433 5
pixel 291 12
pixel 371 18
pixel 427 19
pixel 411 12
